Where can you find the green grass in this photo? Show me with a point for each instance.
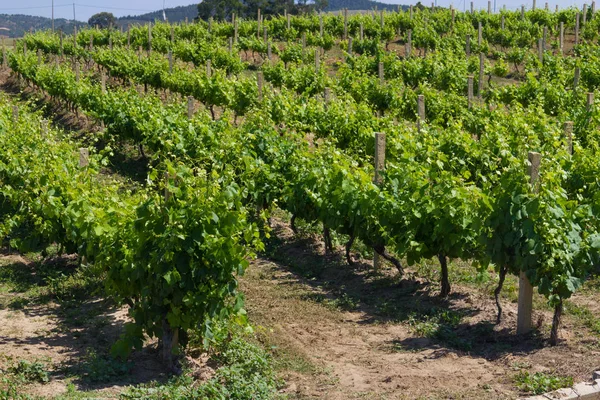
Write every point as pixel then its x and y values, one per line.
pixel 583 315
pixel 539 382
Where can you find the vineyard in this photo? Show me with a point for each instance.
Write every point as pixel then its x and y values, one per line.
pixel 384 205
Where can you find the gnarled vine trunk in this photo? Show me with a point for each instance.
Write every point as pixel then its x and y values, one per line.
pixel 503 271
pixel 556 323
pixel 169 345
pixel 445 289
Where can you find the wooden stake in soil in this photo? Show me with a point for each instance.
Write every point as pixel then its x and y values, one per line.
pixel 568 129
pixel 208 68
pixel 259 82
pixel 576 78
pixel 190 107
pixel 481 70
pixel 77 73
pixel 170 56
pixel 345 23
pixel 317 61
pixel 269 51
pixel 230 45
pixel 326 96
pixel 320 25
pixel 489 7
pixel 409 43
pixel 541 50
pixel 584 16
pixel 44 127
pixel 39 56
pixel 84 157
pixel 15 114
pixel 525 306
pixel 350 46
pixel 420 112
pixel 265 34
pixel 468 46
pixel 149 37
pixel 502 22
pixel 103 81
pixel 378 179
pixel 561 39
pixel 577 28
pixel 258 24
pixel 362 37
pixel 479 34
pixel 110 44
pixel 380 73
pixel 470 90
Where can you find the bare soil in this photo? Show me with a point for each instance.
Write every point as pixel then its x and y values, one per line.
pixel 371 350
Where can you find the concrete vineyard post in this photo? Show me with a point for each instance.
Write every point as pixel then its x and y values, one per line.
pixel 381 20
pixel 84 157
pixel 380 73
pixel 525 306
pixel 576 78
pixel 420 111
pixel 378 179
pixel 409 43
pixel 91 42
pixel 190 107
pixel 288 21
pixel 568 129
pixel 523 12
pixel 479 34
pixel 547 6
pixel 489 7
pixel 472 8
pixel 259 82
pixel 533 7
pixel 208 68
pixel 481 70
pixel 362 37
pixel 210 20
pixel 4 63
pixel 470 90
pixel 411 12
pixel 502 22
pixel 593 9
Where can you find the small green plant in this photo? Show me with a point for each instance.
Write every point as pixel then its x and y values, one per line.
pixel 539 382
pixel 98 368
pixel 30 371
pixel 440 325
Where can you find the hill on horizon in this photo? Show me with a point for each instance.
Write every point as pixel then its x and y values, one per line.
pixel 19 24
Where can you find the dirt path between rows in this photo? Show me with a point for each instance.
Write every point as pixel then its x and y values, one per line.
pixel 298 299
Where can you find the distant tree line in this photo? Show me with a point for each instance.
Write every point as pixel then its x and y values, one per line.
pixel 223 9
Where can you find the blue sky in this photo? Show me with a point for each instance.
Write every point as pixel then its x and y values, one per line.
pixel 85 8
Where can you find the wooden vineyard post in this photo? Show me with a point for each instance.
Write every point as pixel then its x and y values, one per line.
pixel 170 56
pixel 468 46
pixel 268 51
pixel 541 50
pixel 380 73
pixel 470 90
pixel 235 29
pixel 420 112
pixel 362 37
pixel 91 42
pixel 345 23
pixel 480 84
pixel 568 129
pixel 103 81
pixel 258 24
pixel 525 306
pixel 381 20
pixel 259 82
pixel 472 8
pixel 39 56
pixel 453 13
pixel 576 78
pixel 320 25
pixel 577 28
pixel 584 16
pixel 502 22
pixel 350 46
pixel 303 43
pixel 265 34
pixel 15 114
pixel 288 21
pixel 522 12
pixel 561 39
pixel 77 71
pixel 409 43
pixel 110 44
pixel 326 97
pixel 149 37
pixel 533 7
pixel 378 179
pixel 544 38
pixel 590 102
pixel 61 43
pixel 129 37
pixel 489 7
pixel 44 127
pixel 317 61
pixel 208 68
pixel 230 45
pixel 190 107
pixel 172 34
pixel 84 157
pixel 4 63
pixel 593 6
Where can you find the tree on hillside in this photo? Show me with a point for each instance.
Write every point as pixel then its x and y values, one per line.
pixel 103 20
pixel 222 9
